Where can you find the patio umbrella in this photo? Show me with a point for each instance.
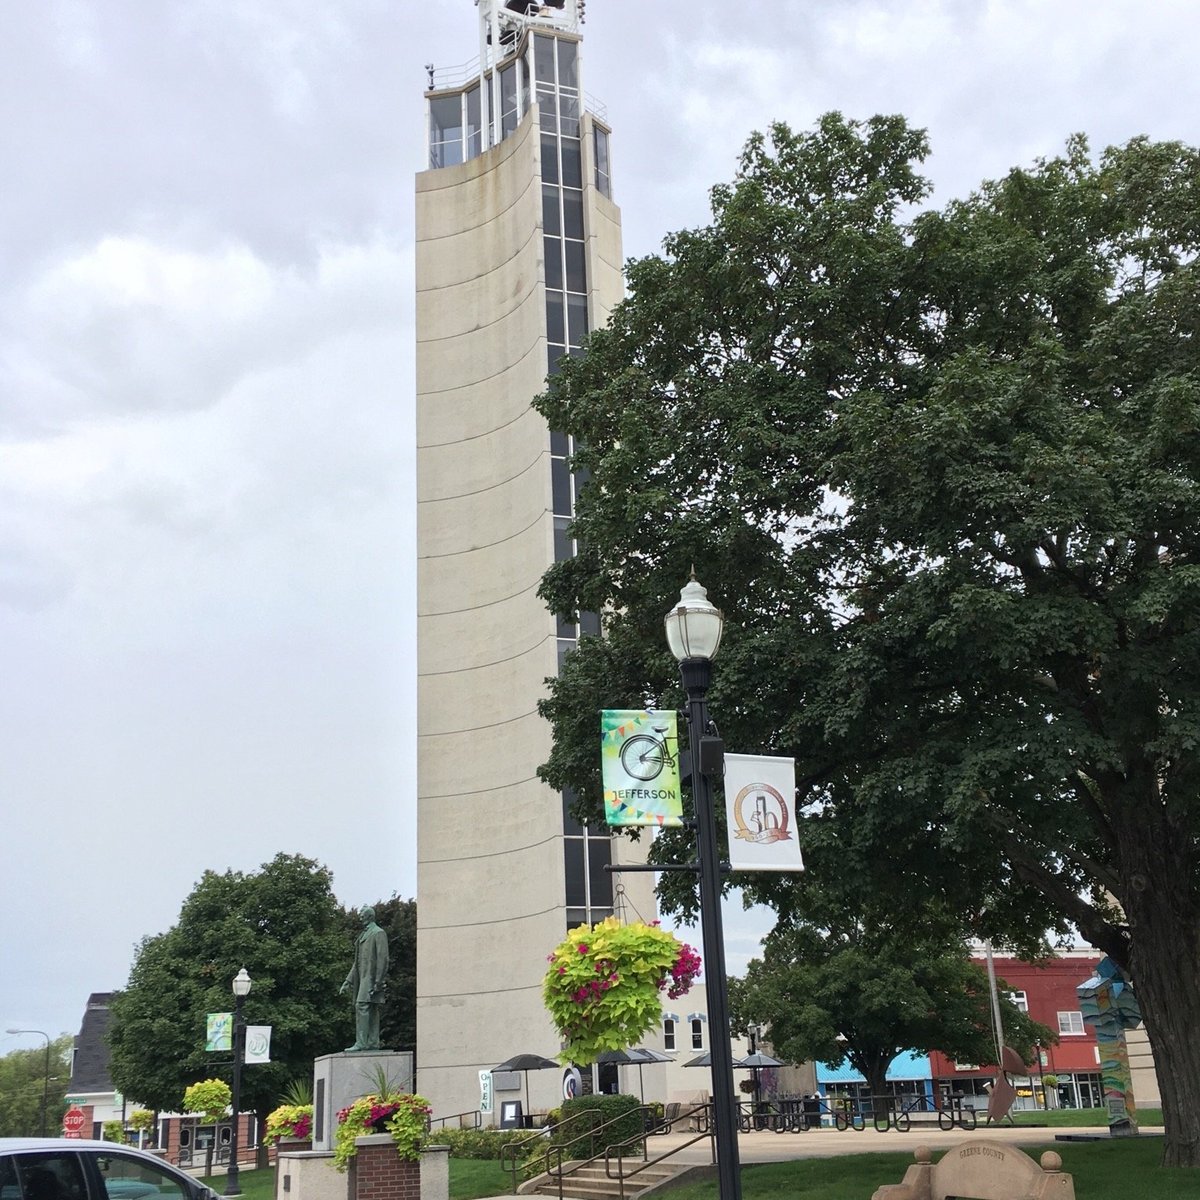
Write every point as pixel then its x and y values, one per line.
pixel 701 1060
pixel 756 1060
pixel 526 1063
pixel 752 1062
pixel 636 1056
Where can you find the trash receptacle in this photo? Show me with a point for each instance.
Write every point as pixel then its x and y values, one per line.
pixel 812 1112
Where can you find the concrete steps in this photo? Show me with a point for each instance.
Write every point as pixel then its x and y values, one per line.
pixel 592 1183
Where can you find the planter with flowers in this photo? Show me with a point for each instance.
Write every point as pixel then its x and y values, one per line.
pixel 289 1123
pixel 405 1117
pixel 602 988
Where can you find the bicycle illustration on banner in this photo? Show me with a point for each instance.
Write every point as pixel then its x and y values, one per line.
pixel 639 756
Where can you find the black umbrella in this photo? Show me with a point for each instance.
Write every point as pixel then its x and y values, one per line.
pixel 637 1056
pixel 701 1060
pixel 526 1063
pixel 756 1060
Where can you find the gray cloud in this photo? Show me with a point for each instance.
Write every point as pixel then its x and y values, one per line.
pixel 206 500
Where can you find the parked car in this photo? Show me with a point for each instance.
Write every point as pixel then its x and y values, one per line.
pixel 74 1169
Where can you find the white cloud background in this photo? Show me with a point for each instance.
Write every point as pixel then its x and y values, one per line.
pixel 206 388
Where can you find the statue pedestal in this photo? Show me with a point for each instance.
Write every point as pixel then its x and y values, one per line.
pixel 339 1080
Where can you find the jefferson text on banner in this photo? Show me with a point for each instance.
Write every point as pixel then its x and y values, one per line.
pixel 639 759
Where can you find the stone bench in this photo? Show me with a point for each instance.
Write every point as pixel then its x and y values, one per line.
pixel 981 1170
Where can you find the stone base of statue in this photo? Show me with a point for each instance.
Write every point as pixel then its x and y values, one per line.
pixel 340 1079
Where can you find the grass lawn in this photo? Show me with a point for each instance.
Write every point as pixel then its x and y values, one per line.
pixel 256 1185
pixel 1100 1169
pixel 471 1178
pixel 1079 1118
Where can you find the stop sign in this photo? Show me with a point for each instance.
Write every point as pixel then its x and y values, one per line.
pixel 73 1122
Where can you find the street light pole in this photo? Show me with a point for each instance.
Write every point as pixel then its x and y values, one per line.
pixel 241 989
pixel 46 1073
pixel 694 634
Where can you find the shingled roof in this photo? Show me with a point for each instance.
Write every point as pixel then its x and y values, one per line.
pixel 89 1069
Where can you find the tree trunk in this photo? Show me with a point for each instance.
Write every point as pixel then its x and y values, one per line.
pixel 876 1077
pixel 1164 919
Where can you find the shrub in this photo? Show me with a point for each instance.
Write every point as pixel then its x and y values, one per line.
pixel 114 1131
pixel 579 1140
pixel 477 1143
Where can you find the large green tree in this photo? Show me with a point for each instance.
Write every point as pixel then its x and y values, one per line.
pixel 24 1083
pixel 398 1022
pixel 284 925
pixel 941 469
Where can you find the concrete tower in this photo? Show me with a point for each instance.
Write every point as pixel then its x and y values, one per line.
pixel 518 254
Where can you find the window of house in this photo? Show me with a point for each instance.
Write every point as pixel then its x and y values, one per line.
pixel 1070 1023
pixel 697 1034
pixel 1020 1000
pixel 668 1034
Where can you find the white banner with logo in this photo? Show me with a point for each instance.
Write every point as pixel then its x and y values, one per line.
pixel 258 1044
pixel 760 807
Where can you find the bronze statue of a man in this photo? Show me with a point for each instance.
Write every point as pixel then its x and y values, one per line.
pixel 367 982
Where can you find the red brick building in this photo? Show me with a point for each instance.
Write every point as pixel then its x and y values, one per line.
pixel 1046 991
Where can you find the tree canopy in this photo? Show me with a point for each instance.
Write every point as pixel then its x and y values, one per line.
pixel 23 1081
pixel 398 1021
pixel 941 470
pixel 285 926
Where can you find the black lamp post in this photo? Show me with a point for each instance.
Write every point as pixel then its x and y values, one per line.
pixel 694 634
pixel 241 989
pixel 45 1076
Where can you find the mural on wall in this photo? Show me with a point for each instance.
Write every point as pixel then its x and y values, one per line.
pixel 1108 1004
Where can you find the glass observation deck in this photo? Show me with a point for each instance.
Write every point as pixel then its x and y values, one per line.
pixel 477 105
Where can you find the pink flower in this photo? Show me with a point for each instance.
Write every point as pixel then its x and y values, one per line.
pixel 582 948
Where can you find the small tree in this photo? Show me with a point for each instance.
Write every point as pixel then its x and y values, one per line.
pixel 142 1121
pixel 210 1099
pixel 872 987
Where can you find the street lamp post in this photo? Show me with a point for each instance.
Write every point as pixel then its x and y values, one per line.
pixel 46 1075
pixel 694 634
pixel 241 989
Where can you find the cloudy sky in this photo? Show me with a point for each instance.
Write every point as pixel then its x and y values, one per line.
pixel 206 388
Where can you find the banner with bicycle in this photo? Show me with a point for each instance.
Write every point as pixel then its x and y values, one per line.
pixel 639 757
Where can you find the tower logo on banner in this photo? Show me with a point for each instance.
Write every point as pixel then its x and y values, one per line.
pixel 258 1044
pixel 639 761
pixel 760 808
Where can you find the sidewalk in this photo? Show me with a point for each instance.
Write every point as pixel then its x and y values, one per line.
pixel 763 1147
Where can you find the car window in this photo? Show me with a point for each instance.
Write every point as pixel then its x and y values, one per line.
pixel 133 1178
pixel 50 1176
pixel 10 1189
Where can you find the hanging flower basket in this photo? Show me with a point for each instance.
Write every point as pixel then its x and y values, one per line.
pixel 602 988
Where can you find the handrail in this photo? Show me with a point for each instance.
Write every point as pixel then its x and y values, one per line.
pixel 620 1119
pixel 473 1113
pixel 511 1149
pixel 701 1113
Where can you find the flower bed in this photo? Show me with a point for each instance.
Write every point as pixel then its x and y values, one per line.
pixel 289 1121
pixel 404 1116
